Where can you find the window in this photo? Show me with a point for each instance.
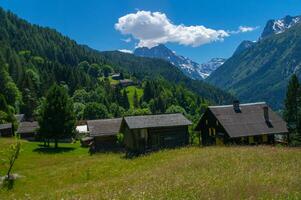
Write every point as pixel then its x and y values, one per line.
pixel 213 130
pixel 216 123
pixel 251 139
pixel 206 122
pixel 264 138
pixel 209 131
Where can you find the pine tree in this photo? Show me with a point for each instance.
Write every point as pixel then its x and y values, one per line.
pixel 148 91
pixel 126 103
pixel 57 116
pixel 292 105
pixel 135 100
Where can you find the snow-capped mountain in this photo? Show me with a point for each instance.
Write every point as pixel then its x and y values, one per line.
pixel 188 67
pixel 210 66
pixel 280 25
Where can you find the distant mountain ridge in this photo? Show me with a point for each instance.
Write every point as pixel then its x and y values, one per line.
pixel 272 27
pixel 190 68
pixel 243 46
pixel 280 25
pixel 261 71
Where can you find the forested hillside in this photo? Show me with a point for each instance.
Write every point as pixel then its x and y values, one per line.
pixel 261 72
pixel 32 58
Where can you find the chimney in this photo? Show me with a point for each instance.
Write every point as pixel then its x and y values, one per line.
pixel 236 106
pixel 266 113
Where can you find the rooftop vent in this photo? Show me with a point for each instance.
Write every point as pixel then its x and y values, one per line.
pixel 266 116
pixel 236 106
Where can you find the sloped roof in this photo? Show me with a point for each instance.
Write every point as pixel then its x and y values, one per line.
pixel 28 127
pixel 152 121
pixel 250 121
pixel 104 127
pixel 6 126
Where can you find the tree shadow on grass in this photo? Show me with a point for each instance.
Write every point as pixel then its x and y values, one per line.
pixel 7 184
pixel 52 150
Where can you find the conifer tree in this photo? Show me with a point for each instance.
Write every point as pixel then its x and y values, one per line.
pixel 57 116
pixel 126 103
pixel 291 111
pixel 136 100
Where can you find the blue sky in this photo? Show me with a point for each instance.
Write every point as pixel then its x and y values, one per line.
pixel 92 22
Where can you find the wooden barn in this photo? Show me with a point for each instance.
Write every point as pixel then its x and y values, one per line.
pixel 253 123
pixel 28 130
pixel 126 82
pixel 6 130
pixel 152 132
pixel 104 132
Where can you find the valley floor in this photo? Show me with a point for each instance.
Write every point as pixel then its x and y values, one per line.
pixel 262 172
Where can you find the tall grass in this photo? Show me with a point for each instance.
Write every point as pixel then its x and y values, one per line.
pixel 262 172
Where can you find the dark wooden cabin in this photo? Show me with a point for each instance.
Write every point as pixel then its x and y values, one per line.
pixel 104 132
pixel 28 130
pixel 6 130
pixel 253 123
pixel 152 132
pixel 126 82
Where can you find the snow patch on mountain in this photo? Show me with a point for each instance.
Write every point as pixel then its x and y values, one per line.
pixel 280 25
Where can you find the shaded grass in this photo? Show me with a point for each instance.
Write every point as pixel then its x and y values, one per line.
pixel 188 173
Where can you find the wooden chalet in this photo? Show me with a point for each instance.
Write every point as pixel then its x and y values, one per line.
pixel 104 132
pixel 126 82
pixel 6 130
pixel 28 130
pixel 253 123
pixel 152 132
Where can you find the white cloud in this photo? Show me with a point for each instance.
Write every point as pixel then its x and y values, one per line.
pixel 125 51
pixel 244 29
pixel 127 40
pixel 153 28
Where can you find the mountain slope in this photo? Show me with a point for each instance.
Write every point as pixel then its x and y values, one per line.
pixel 261 72
pixel 187 66
pixel 243 46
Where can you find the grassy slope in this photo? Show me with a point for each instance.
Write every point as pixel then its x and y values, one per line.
pixel 131 91
pixel 187 173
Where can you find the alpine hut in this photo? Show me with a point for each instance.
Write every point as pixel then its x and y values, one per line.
pixel 252 123
pixel 152 132
pixel 6 130
pixel 104 132
pixel 28 130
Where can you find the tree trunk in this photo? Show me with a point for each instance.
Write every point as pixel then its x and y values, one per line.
pixel 56 143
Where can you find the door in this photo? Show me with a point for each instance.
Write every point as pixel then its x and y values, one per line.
pixel 219 141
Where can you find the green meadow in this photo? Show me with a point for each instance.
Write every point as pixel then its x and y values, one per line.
pixel 131 91
pixel 262 172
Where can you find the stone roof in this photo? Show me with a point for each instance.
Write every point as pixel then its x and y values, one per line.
pixel 28 127
pixel 104 127
pixel 250 120
pixel 152 121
